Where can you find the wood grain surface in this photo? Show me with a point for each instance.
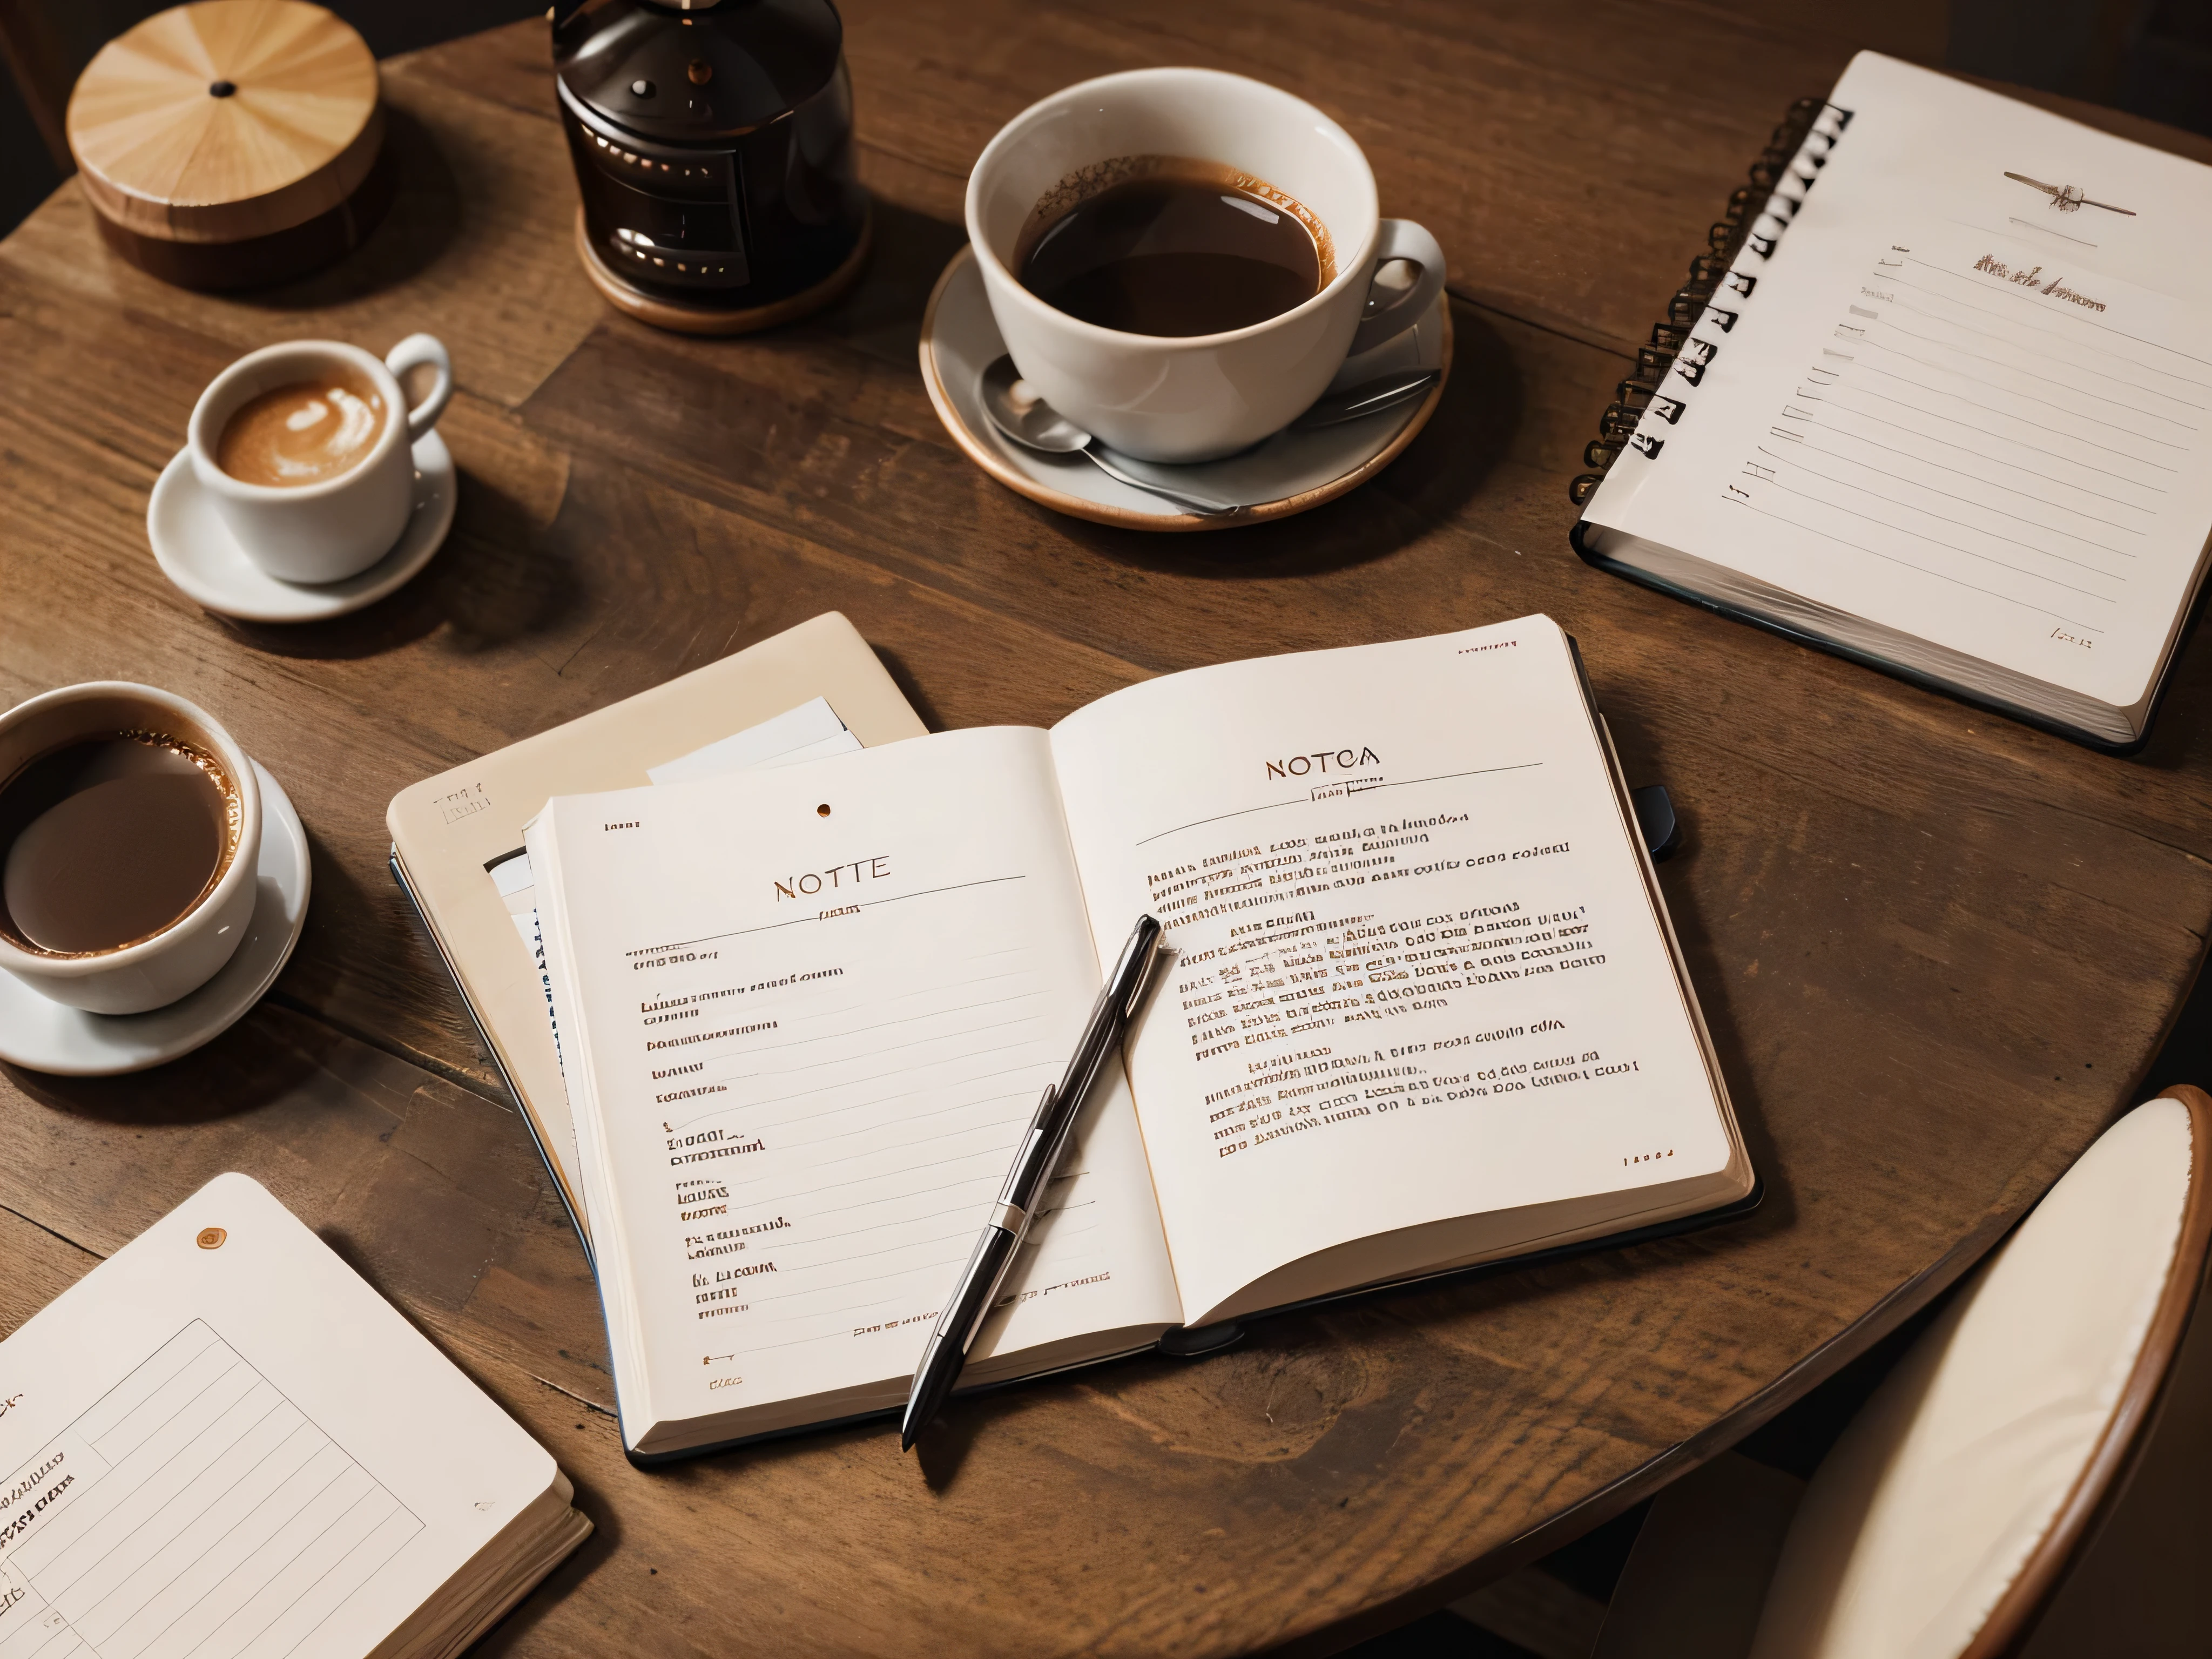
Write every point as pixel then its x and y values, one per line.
pixel 1937 950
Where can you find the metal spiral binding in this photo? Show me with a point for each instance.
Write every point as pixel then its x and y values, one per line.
pixel 1723 243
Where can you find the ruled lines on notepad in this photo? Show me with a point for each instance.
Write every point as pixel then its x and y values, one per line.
pixel 1960 423
pixel 193 1512
pixel 874 1124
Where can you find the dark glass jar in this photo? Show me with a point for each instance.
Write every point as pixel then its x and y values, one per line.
pixel 714 148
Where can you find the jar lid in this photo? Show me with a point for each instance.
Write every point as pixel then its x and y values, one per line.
pixel 225 119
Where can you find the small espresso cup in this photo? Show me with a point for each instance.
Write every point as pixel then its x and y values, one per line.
pixel 184 955
pixel 336 527
pixel 1200 396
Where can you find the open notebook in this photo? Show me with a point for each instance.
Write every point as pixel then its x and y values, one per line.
pixel 455 836
pixel 1949 410
pixel 220 1443
pixel 1423 1010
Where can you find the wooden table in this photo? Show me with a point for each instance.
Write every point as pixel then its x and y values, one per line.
pixel 1936 949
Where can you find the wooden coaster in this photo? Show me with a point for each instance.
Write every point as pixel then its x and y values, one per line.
pixel 227 143
pixel 684 318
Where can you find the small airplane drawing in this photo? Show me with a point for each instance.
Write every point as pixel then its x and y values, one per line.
pixel 2067 198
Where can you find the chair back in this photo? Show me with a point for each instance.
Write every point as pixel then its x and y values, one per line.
pixel 1940 1523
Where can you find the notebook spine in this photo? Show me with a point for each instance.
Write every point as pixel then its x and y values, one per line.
pixel 1742 227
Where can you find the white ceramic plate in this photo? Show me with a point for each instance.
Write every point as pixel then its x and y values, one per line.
pixel 1288 473
pixel 45 1035
pixel 198 552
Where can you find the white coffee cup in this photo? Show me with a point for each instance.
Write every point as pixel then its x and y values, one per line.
pixel 187 953
pixel 1198 398
pixel 337 526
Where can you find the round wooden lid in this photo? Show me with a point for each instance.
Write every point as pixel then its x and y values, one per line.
pixel 225 119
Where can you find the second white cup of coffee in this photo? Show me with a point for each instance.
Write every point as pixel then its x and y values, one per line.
pixel 336 526
pixel 1193 398
pixel 185 954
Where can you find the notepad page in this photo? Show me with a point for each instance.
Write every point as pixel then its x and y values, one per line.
pixel 1950 405
pixel 1415 975
pixel 222 1443
pixel 809 1013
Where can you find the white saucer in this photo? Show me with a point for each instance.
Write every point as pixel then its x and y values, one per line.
pixel 1288 473
pixel 197 553
pixel 45 1035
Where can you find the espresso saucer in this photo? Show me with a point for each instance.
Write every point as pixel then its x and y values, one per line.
pixel 197 551
pixel 1287 474
pixel 45 1035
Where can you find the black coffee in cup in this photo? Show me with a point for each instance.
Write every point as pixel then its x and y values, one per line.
pixel 1169 245
pixel 109 839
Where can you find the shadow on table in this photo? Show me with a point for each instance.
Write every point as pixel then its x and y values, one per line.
pixel 1472 429
pixel 419 225
pixel 498 577
pixel 513 1631
pixel 2179 733
pixel 260 1059
pixel 882 316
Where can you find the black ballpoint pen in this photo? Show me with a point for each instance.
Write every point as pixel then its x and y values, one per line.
pixel 1034 1164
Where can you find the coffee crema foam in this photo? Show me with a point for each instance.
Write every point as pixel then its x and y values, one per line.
pixel 1099 176
pixel 304 432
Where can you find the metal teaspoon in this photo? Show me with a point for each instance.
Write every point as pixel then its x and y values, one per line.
pixel 1029 420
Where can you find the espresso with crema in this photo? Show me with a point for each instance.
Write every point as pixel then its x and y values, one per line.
pixel 109 839
pixel 1170 245
pixel 304 432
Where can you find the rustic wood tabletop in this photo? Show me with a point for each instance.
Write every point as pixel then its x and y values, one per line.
pixel 1936 949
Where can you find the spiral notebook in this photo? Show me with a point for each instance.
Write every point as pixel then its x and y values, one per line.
pixel 1938 399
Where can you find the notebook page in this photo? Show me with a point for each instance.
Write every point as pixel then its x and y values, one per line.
pixel 1416 975
pixel 803 1045
pixel 1951 405
pixel 810 732
pixel 221 1441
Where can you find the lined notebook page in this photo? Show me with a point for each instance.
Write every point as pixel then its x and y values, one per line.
pixel 803 1045
pixel 1953 409
pixel 222 1443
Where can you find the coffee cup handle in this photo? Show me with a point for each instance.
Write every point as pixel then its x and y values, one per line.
pixel 1386 317
pixel 413 352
